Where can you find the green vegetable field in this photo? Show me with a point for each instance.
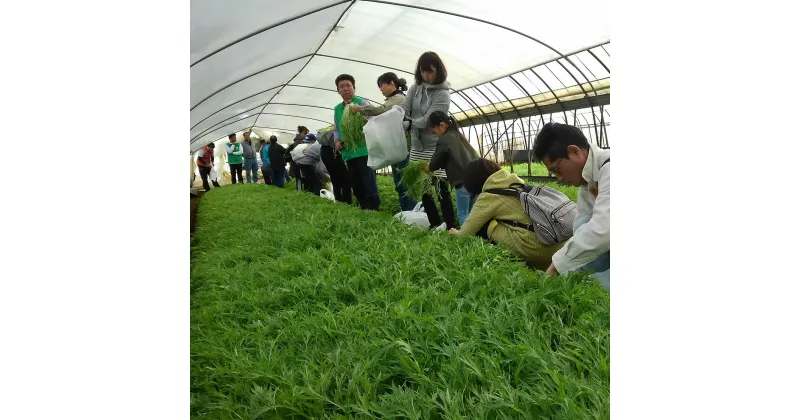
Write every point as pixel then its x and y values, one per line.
pixel 390 203
pixel 303 308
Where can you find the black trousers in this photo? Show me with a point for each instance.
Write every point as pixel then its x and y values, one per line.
pixel 236 170
pixel 266 171
pixel 204 174
pixel 447 207
pixel 311 181
pixel 338 172
pixel 364 182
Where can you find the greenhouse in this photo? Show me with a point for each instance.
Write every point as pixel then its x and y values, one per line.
pixel 305 307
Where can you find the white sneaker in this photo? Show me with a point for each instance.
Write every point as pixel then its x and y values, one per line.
pixel 443 226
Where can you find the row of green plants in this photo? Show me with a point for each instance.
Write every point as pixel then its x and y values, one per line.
pixel 305 308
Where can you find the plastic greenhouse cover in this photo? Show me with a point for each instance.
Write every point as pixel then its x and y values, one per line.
pixel 246 53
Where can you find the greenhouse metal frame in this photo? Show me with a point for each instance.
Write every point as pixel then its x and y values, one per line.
pixel 506 81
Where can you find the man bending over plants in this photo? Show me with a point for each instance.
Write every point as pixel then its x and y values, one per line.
pixel 574 161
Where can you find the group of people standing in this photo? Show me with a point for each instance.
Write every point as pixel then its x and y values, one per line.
pixel 425 111
pixel 433 137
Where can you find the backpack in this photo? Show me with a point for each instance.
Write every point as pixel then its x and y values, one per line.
pixel 551 212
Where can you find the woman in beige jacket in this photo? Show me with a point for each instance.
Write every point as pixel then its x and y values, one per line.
pixel 392 88
pixel 481 175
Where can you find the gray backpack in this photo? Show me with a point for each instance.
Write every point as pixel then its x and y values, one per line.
pixel 551 212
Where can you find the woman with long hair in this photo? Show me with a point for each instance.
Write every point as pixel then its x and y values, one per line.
pixel 429 93
pixel 491 213
pixel 453 153
pixel 393 89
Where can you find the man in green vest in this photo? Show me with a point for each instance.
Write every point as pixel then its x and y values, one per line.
pixel 235 159
pixel 362 177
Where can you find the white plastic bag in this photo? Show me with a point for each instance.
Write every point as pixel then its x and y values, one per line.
pixel 297 152
pixel 416 217
pixel 386 139
pixel 213 175
pixel 327 194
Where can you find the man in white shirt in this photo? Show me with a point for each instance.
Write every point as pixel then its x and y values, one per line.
pixel 574 161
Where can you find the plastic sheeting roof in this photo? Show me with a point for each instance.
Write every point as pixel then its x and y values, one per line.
pixel 272 64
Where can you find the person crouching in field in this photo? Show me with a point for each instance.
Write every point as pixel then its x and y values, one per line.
pixel 481 175
pixel 574 161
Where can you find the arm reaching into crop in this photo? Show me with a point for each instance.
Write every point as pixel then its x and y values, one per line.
pixel 374 110
pixel 365 103
pixel 482 212
pixel 592 239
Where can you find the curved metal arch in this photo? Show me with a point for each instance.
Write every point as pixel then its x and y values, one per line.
pixel 197 139
pixel 477 88
pixel 535 105
pixel 519 117
pixel 330 31
pixel 580 85
pixel 251 75
pixel 541 64
pixel 213 127
pixel 462 111
pixel 283 22
pixel 286 130
pixel 325 89
pixel 509 100
pixel 558 100
pixel 362 62
pixel 473 103
pixel 561 55
pixel 295 116
pixel 305 105
pixel 234 103
pixel 599 60
pixel 591 73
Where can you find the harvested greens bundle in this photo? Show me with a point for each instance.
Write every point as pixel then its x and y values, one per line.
pixel 352 131
pixel 417 182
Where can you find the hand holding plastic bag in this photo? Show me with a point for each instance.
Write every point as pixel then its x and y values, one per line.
pixel 386 139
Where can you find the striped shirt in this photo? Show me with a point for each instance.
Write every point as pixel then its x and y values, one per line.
pixel 426 155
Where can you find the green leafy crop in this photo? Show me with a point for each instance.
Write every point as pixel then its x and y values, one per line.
pixel 353 129
pixel 303 308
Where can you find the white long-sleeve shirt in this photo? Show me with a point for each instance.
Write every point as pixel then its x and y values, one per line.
pixel 592 239
pixel 232 147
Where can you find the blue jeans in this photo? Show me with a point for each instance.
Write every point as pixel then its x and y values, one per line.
pixel 464 203
pixel 278 177
pixel 601 267
pixel 406 203
pixel 251 165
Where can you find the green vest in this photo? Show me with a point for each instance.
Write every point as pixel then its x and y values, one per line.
pixel 338 111
pixel 234 159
